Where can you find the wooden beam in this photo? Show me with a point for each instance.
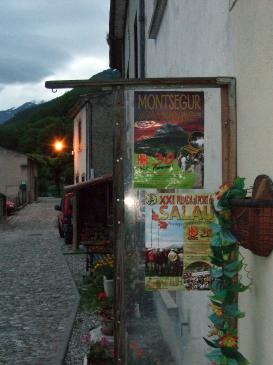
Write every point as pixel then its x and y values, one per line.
pixel 108 85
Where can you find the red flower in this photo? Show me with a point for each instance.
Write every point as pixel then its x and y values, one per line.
pixel 228 341
pixel 162 224
pixel 133 345
pixel 101 295
pixel 155 217
pixel 139 353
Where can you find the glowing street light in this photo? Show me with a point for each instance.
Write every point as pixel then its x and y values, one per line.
pixel 58 145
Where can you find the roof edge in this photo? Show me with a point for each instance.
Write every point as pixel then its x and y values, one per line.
pixel 87 184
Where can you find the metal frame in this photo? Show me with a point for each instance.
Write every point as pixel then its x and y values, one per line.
pixel 228 99
pixel 229 164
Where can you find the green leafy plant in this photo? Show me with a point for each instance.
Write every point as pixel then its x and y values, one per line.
pixel 104 267
pixel 225 285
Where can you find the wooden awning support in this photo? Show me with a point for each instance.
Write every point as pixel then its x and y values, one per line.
pixel 186 81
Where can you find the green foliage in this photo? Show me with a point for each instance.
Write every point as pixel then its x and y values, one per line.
pixel 33 130
pixel 88 297
pixel 225 285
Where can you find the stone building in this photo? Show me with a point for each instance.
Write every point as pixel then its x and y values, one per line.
pixel 18 176
pixel 93 136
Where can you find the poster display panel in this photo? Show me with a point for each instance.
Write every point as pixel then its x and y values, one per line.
pixel 177 241
pixel 169 139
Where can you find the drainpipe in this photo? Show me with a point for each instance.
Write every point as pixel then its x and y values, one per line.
pixel 89 156
pixel 142 37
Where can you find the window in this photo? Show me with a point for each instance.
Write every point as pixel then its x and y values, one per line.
pixel 79 135
pixel 136 46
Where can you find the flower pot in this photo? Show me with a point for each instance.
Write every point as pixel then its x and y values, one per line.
pixel 108 286
pixel 107 327
pixel 105 318
pixel 106 314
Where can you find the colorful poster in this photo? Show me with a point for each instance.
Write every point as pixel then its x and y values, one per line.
pixel 177 241
pixel 196 273
pixel 169 139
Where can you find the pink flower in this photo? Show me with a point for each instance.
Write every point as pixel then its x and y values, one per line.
pixel 85 339
pixel 139 353
pixel 103 341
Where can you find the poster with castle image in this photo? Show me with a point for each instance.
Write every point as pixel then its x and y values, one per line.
pixel 177 241
pixel 168 139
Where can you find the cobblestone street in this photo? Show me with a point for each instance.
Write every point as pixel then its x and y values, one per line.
pixel 38 297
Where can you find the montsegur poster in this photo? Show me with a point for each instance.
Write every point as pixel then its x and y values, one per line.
pixel 169 139
pixel 177 241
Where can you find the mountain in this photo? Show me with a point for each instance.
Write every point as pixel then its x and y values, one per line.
pixel 33 130
pixel 21 132
pixel 6 115
pixel 167 138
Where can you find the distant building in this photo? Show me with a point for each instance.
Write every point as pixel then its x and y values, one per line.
pixel 18 176
pixel 93 117
pixel 93 136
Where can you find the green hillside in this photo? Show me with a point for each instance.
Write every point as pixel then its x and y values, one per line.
pixel 33 130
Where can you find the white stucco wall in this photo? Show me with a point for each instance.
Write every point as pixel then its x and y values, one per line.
pixel 194 37
pixel 193 40
pixel 80 150
pixel 252 25
pixel 203 38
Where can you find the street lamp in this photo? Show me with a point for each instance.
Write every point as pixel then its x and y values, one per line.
pixel 58 145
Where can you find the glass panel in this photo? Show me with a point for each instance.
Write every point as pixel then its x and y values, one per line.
pixel 164 326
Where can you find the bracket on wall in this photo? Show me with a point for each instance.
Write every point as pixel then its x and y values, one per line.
pixel 232 3
pixel 157 16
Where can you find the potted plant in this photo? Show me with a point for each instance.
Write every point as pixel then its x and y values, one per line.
pixel 107 327
pixel 100 354
pixel 104 270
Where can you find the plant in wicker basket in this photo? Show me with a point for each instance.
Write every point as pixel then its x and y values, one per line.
pixel 252 218
pixel 225 285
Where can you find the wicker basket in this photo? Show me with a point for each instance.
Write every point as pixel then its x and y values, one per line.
pixel 252 224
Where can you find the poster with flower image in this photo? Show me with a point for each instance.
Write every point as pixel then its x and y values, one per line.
pixel 169 139
pixel 177 241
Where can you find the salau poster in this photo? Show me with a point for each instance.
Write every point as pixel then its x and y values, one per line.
pixel 177 241
pixel 169 139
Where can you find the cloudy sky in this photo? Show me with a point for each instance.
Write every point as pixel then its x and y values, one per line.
pixel 49 40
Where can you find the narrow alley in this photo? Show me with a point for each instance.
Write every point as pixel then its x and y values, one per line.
pixel 38 295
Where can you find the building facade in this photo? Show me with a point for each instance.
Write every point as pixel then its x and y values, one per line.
pixel 18 177
pixel 203 38
pixel 93 136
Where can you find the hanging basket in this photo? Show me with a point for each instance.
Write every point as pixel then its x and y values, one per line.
pixel 252 224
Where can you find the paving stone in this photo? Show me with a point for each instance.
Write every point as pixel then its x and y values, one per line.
pixel 38 297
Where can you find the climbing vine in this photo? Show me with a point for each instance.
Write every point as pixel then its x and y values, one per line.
pixel 225 285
